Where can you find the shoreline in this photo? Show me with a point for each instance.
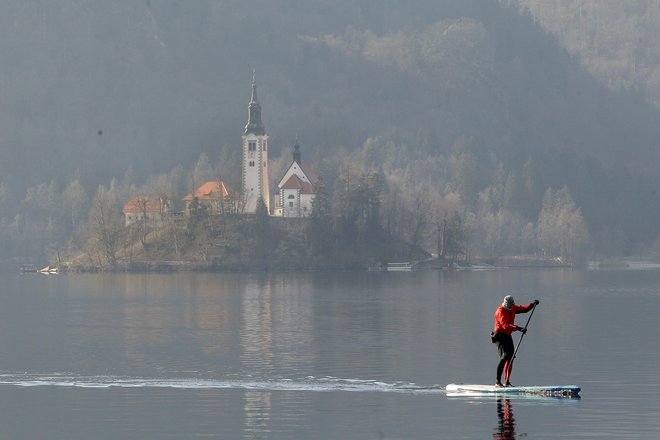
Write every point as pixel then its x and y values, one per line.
pixel 170 266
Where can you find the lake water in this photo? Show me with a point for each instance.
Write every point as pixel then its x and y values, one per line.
pixel 324 355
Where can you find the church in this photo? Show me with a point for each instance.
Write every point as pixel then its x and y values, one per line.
pixel 296 189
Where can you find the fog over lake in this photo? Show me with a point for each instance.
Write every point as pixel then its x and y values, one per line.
pixel 323 355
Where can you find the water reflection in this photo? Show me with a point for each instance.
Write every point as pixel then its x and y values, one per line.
pixel 274 335
pixel 257 326
pixel 163 356
pixel 257 409
pixel 506 427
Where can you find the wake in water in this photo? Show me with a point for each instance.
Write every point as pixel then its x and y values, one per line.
pixel 310 383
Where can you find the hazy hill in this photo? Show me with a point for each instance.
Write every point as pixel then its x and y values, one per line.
pixel 101 87
pixel 619 41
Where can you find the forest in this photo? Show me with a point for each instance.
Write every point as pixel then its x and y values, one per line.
pixel 461 128
pixel 619 42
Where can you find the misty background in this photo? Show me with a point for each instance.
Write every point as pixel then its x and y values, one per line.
pixel 507 110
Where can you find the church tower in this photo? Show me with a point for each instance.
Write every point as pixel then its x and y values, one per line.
pixel 255 157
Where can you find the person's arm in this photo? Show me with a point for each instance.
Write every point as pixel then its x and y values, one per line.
pixel 527 308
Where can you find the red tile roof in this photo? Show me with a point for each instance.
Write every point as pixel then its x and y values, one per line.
pixel 295 182
pixel 213 190
pixel 145 203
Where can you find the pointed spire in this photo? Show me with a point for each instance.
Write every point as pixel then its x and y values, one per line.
pixel 254 124
pixel 297 157
pixel 253 99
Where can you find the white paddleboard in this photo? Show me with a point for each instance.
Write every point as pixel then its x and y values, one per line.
pixel 545 390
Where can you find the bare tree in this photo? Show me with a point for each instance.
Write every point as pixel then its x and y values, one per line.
pixel 105 225
pixel 561 227
pixel 143 205
pixel 419 213
pixel 74 198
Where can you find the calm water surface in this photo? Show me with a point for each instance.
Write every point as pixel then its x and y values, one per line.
pixel 323 355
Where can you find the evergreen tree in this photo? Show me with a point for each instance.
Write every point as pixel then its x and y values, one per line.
pixel 320 226
pixel 452 240
pixel 263 228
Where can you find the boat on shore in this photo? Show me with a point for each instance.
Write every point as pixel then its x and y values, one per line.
pixel 401 267
pixel 49 270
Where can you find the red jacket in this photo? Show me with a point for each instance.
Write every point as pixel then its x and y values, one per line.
pixel 504 318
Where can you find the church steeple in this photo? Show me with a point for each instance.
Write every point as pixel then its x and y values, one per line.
pixel 296 152
pixel 254 124
pixel 256 184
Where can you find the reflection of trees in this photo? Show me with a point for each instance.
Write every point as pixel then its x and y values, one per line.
pixel 187 329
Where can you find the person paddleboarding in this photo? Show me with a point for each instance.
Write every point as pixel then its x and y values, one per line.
pixel 504 326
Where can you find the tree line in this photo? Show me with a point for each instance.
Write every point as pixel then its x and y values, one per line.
pixel 367 210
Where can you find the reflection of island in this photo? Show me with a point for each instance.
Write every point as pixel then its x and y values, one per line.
pixel 506 428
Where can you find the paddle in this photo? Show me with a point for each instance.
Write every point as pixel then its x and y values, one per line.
pixel 524 332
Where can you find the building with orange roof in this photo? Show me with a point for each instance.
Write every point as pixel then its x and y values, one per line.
pixel 215 195
pixel 145 207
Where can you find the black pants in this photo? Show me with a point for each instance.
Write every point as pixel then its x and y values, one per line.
pixel 505 349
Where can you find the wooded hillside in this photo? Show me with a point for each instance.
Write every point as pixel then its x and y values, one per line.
pixel 469 102
pixel 618 41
